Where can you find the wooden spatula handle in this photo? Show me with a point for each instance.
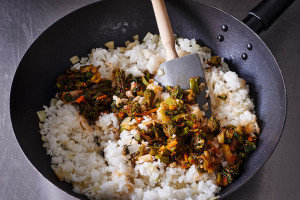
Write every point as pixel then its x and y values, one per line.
pixel 165 29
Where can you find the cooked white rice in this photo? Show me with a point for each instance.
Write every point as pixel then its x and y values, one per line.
pixel 70 141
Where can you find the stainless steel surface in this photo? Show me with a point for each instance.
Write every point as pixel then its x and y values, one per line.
pixel 21 22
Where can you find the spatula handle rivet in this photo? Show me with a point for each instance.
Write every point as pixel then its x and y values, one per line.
pixel 224 28
pixel 244 56
pixel 249 46
pixel 220 38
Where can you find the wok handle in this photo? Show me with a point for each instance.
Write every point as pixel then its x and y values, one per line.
pixel 261 17
pixel 164 27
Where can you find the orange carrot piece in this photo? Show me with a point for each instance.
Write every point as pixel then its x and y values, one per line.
pixel 250 139
pixel 172 107
pixel 148 112
pixel 79 99
pixel 185 157
pixel 139 119
pixel 120 114
pixel 172 144
pixel 184 166
pixel 101 97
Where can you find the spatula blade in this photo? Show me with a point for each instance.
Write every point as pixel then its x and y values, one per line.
pixel 179 71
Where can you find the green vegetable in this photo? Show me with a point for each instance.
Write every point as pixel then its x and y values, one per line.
pixel 68 98
pixel 230 173
pixel 164 159
pixel 219 179
pixel 121 83
pixel 177 117
pixel 157 103
pixel 89 74
pixel 170 101
pixel 170 128
pixel 214 61
pixel 249 147
pixel 153 150
pixel 185 131
pixel 189 123
pixel 133 108
pixel 198 142
pixel 122 129
pixel 145 81
pixel 149 96
pixel 223 97
pixel 147 75
pixel 138 137
pixel 194 85
pixel 191 97
pixel 176 93
pixel 213 124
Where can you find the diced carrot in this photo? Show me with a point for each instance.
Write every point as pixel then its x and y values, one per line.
pixel 148 112
pixel 184 166
pixel 139 119
pixel 185 157
pixel 101 97
pixel 250 139
pixel 79 99
pixel 171 144
pixel 121 115
pixel 172 107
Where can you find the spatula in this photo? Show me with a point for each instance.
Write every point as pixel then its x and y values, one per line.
pixel 177 71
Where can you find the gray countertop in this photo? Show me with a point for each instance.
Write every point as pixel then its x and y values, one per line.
pixel 22 21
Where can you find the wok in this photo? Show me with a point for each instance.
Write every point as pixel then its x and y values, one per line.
pixel 118 20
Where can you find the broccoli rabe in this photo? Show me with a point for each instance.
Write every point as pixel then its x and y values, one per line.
pixel 213 124
pixel 149 96
pixel 249 147
pixel 229 173
pixel 121 83
pixel 133 108
pixel 170 128
pixel 198 141
pixel 214 61
pixel 176 93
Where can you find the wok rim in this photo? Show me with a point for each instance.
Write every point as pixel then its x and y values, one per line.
pixel 76 11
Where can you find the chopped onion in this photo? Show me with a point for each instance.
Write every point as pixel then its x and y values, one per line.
pixel 154 39
pixel 125 123
pixel 110 45
pixel 130 46
pixel 136 37
pixel 53 101
pixel 127 43
pixel 41 126
pixel 147 37
pixel 122 49
pixel 42 115
pixel 74 60
pixel 145 158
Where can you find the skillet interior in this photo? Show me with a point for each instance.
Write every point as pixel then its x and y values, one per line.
pixel 93 25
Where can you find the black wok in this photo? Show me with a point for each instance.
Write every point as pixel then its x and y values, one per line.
pixel 118 20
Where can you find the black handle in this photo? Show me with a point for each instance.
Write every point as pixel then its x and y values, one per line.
pixel 265 13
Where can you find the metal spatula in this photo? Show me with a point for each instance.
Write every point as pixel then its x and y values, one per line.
pixel 177 71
